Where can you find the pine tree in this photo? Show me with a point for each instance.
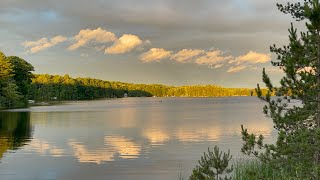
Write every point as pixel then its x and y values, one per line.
pixel 212 165
pixel 295 110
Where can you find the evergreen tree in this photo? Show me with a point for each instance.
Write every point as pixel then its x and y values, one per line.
pixel 295 112
pixel 212 165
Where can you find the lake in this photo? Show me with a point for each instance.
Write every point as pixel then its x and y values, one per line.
pixel 129 138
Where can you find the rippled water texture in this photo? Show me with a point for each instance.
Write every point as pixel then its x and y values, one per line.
pixel 130 138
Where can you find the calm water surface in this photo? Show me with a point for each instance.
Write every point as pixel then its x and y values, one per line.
pixel 130 138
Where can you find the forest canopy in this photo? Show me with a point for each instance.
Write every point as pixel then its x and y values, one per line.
pixel 48 87
pixel 15 79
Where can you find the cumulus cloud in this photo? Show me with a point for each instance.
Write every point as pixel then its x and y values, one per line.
pixel 234 69
pixel 100 38
pixel 186 54
pixel 124 44
pixel 214 57
pixel 248 61
pixel 155 54
pixel 43 43
pixel 253 58
pixel 86 36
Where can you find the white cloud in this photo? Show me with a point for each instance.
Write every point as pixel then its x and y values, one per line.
pixel 100 38
pixel 253 58
pixel 155 54
pixel 43 43
pixel 234 69
pixel 213 58
pixel 86 36
pixel 186 54
pixel 124 44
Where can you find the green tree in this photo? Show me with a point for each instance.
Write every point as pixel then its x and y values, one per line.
pixel 12 97
pixel 212 165
pixel 298 124
pixel 22 73
pixel 6 68
pixel 15 79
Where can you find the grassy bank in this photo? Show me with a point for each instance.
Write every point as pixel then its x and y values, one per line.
pixel 254 169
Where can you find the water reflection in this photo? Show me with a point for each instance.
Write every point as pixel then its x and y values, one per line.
pixel 201 132
pixel 15 130
pixel 125 138
pixel 114 147
pixel 156 136
pixel 45 148
pixel 82 153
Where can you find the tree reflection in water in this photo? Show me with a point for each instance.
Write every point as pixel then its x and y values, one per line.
pixel 15 130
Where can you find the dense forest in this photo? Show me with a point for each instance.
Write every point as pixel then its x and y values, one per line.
pixel 54 87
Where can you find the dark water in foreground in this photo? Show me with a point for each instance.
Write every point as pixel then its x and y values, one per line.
pixel 131 138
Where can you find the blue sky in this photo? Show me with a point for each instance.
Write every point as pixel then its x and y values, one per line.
pixel 173 42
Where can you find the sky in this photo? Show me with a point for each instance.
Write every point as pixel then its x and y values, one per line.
pixel 171 42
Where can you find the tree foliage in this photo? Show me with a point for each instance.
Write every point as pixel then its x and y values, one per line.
pixel 22 73
pixel 212 165
pixel 15 79
pixel 45 87
pixel 295 112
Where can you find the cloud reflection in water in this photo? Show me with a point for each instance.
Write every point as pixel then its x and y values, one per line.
pixel 113 147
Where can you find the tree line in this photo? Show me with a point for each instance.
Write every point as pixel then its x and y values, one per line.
pixel 18 85
pixel 46 87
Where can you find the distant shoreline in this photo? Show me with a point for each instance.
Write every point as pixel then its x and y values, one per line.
pixel 47 87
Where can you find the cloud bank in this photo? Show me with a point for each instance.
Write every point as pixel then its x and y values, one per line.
pixel 214 59
pixel 96 38
pixel 100 40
